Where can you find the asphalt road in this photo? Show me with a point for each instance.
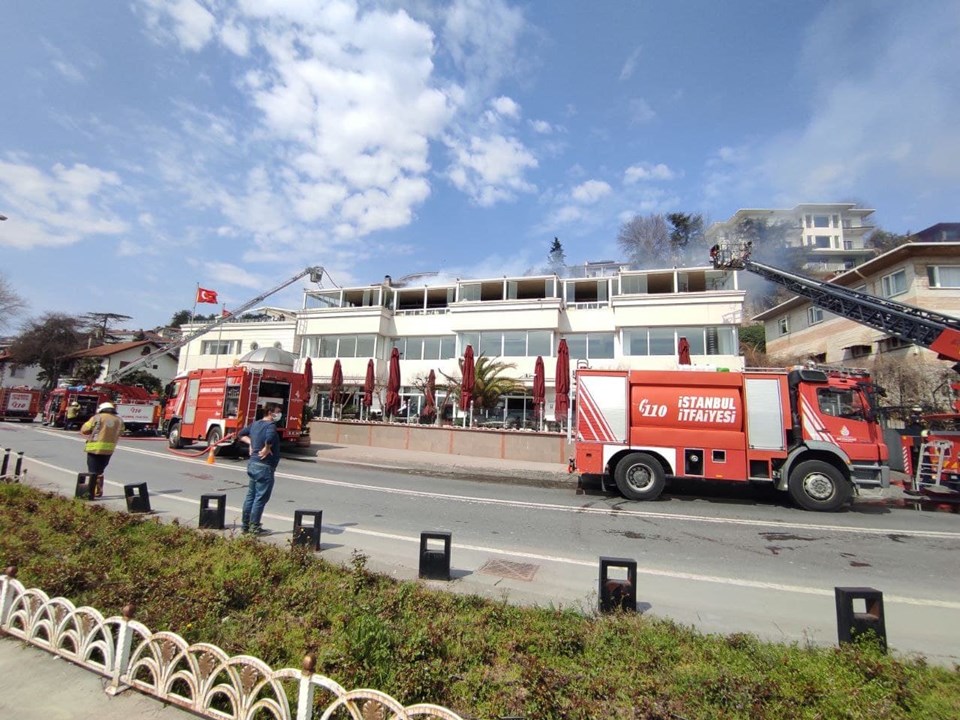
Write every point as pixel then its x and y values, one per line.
pixel 728 562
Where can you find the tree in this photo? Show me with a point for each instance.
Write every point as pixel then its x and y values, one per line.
pixel 98 324
pixel 180 317
pixel 883 241
pixel 46 342
pixel 645 241
pixel 556 261
pixel 753 345
pixel 490 382
pixel 686 237
pixel 144 379
pixel 11 304
pixel 768 239
pixel 87 371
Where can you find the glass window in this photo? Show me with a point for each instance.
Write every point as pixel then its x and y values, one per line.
pixel 469 338
pixel 515 344
pixel 894 284
pixel 328 346
pixel 633 284
pixel 220 347
pixel 694 337
pixel 448 347
pixel 539 343
pixel 577 344
pixel 431 348
pixel 470 292
pixel 491 344
pixel 635 342
pixel 348 346
pixel 662 341
pixel 414 349
pixel 600 346
pixel 821 221
pixel 944 276
pixel 783 326
pixel 366 345
pixel 814 315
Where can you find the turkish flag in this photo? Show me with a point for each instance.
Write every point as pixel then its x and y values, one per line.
pixel 206 296
pixel 225 313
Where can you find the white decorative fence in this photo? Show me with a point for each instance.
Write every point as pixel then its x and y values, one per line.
pixel 201 678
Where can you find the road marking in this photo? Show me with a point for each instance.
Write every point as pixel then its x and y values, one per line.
pixel 575 509
pixel 561 560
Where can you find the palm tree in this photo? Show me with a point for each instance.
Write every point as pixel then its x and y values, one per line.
pixel 490 382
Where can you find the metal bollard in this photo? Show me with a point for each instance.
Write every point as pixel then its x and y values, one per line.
pixel 435 563
pixel 618 594
pixel 851 623
pixel 86 483
pixel 4 462
pixel 137 497
pixel 19 465
pixel 307 534
pixel 213 518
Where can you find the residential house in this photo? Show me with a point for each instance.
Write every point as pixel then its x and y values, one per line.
pixel 115 356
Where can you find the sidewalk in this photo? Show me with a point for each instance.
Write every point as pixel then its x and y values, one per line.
pixel 41 686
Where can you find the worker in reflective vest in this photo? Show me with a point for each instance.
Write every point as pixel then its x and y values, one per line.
pixel 103 431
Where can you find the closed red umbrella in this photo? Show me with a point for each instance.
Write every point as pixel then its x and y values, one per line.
pixel 308 375
pixel 469 378
pixel 539 387
pixel 336 384
pixel 430 406
pixel 393 384
pixel 563 381
pixel 683 351
pixel 368 387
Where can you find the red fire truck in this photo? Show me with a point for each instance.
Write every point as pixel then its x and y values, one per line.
pixel 19 403
pixel 809 432
pixel 137 407
pixel 209 405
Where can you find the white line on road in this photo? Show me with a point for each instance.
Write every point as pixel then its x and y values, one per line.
pixel 692 577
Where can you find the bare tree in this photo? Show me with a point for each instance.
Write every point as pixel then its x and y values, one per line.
pixel 46 342
pixel 98 323
pixel 645 241
pixel 11 304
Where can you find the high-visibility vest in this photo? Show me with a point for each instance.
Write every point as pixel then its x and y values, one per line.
pixel 104 430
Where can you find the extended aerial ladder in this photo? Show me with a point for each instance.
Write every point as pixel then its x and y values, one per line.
pixel 314 271
pixel 938 332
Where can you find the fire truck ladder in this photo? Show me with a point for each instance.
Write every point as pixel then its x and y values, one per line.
pixel 314 271
pixel 940 333
pixel 251 415
pixel 933 456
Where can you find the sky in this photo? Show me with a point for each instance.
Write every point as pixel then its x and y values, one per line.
pixel 151 146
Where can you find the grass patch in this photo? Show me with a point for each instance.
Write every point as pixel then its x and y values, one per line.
pixel 479 657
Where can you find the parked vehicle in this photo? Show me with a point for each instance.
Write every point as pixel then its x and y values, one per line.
pixel 137 407
pixel 19 403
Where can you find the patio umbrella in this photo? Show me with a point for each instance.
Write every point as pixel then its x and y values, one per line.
pixel 368 387
pixel 539 388
pixel 430 406
pixel 467 383
pixel 683 351
pixel 562 382
pixel 393 384
pixel 336 385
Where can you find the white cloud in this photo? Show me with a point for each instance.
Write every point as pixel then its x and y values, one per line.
pixel 591 191
pixel 648 172
pixel 491 169
pixel 640 111
pixel 69 71
pixel 505 107
pixel 57 208
pixel 541 126
pixel 191 24
pixel 626 72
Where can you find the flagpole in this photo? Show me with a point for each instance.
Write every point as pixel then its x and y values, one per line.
pixel 193 314
pixel 216 361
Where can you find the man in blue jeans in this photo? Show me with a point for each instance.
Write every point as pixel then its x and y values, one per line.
pixel 264 444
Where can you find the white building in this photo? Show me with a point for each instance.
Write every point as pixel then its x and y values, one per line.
pixel 115 356
pixel 830 235
pixel 621 319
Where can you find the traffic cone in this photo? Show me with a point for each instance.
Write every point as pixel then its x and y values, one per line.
pixel 211 455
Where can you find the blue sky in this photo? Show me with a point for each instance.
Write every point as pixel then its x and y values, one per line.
pixel 150 145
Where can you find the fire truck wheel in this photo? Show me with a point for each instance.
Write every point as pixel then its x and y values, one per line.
pixel 213 439
pixel 639 477
pixel 817 485
pixel 173 437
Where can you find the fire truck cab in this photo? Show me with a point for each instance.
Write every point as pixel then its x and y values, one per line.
pixel 809 432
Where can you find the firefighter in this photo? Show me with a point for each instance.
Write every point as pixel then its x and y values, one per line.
pixel 73 412
pixel 103 431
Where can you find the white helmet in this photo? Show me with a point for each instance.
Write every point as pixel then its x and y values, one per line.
pixel 105 406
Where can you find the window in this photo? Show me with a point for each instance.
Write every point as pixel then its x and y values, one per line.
pixel 470 292
pixel 432 347
pixel 511 343
pixel 712 340
pixel 944 276
pixel 633 284
pixel 220 347
pixel 821 242
pixel 814 315
pixel 840 403
pixel 332 346
pixel 894 284
pixel 821 221
pixel 860 351
pixel 783 325
pixel 590 346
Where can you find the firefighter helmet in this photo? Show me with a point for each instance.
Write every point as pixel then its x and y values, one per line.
pixel 105 406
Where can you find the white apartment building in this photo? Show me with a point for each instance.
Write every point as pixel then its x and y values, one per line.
pixel 830 235
pixel 621 319
pixel 925 275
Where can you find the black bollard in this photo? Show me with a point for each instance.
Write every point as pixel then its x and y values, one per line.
pixel 5 462
pixel 307 534
pixel 435 562
pixel 19 465
pixel 137 497
pixel 213 518
pixel 86 483
pixel 851 623
pixel 618 593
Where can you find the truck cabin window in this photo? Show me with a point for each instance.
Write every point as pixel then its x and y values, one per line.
pixel 840 403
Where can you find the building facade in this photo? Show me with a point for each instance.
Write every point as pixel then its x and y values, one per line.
pixel 925 275
pixel 830 236
pixel 620 319
pixel 116 356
